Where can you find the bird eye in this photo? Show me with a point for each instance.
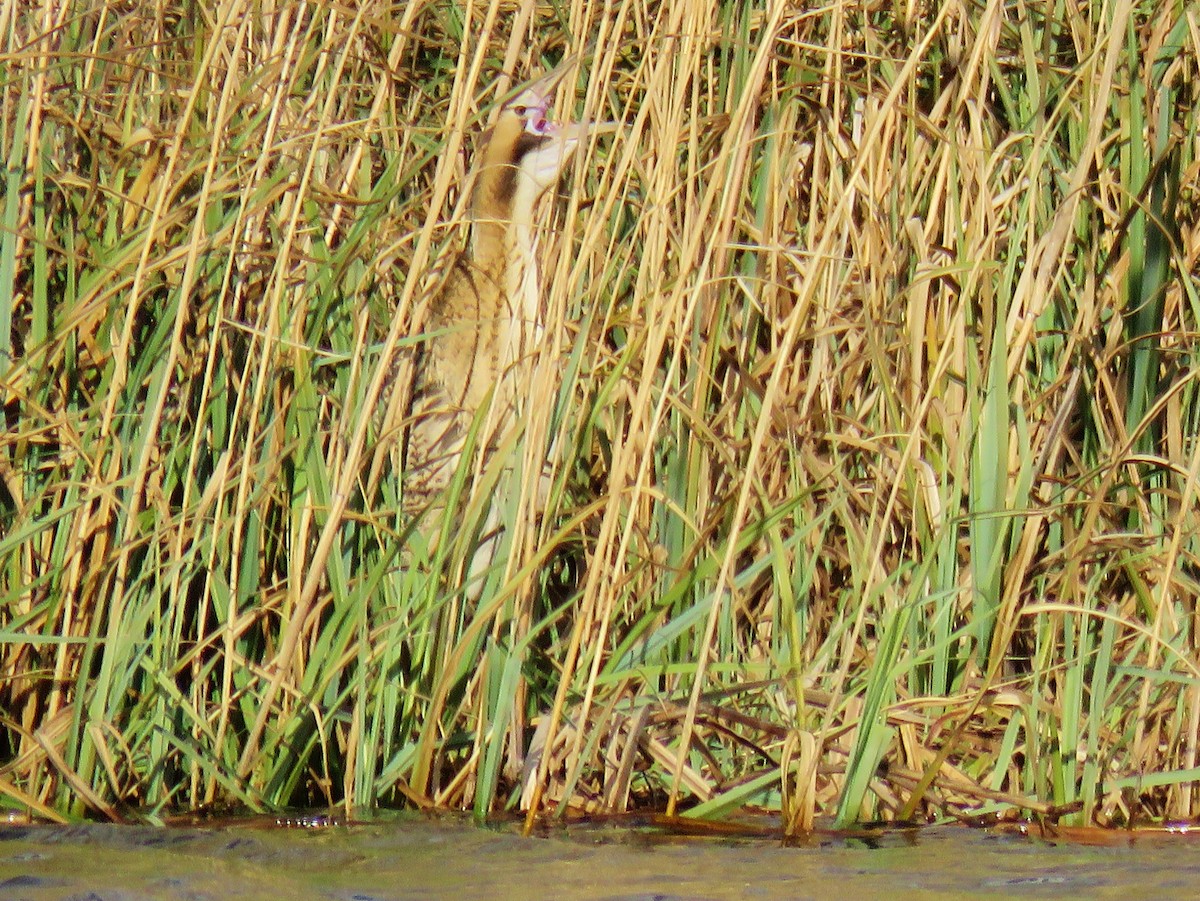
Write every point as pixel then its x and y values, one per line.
pixel 520 111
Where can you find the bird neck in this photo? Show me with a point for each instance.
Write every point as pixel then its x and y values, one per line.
pixel 507 248
pixel 505 194
pixel 502 220
pixel 504 244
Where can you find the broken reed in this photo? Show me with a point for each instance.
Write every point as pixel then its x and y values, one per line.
pixel 872 336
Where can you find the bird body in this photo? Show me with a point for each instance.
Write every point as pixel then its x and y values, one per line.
pixel 487 320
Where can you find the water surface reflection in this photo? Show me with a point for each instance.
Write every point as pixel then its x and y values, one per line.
pixel 414 858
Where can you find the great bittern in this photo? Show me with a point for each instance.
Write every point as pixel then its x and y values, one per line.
pixel 488 318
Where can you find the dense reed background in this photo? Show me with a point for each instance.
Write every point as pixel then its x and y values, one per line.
pixel 870 373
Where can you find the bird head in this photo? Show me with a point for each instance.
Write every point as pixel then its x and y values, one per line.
pixel 542 146
pixel 527 149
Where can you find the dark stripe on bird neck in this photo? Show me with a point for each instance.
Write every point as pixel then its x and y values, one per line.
pixel 497 186
pixel 506 187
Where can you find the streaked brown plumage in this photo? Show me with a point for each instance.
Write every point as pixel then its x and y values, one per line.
pixel 488 317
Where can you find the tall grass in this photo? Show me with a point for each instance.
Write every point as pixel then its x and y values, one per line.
pixel 870 378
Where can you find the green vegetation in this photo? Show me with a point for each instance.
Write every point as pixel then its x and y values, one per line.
pixel 871 368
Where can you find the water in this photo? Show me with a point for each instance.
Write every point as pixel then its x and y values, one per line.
pixel 417 859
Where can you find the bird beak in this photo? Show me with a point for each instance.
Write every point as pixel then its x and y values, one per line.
pixel 539 93
pixel 583 129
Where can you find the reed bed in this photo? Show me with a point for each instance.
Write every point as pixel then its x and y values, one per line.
pixel 870 371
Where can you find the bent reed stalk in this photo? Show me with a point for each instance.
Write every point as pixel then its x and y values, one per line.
pixel 869 366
